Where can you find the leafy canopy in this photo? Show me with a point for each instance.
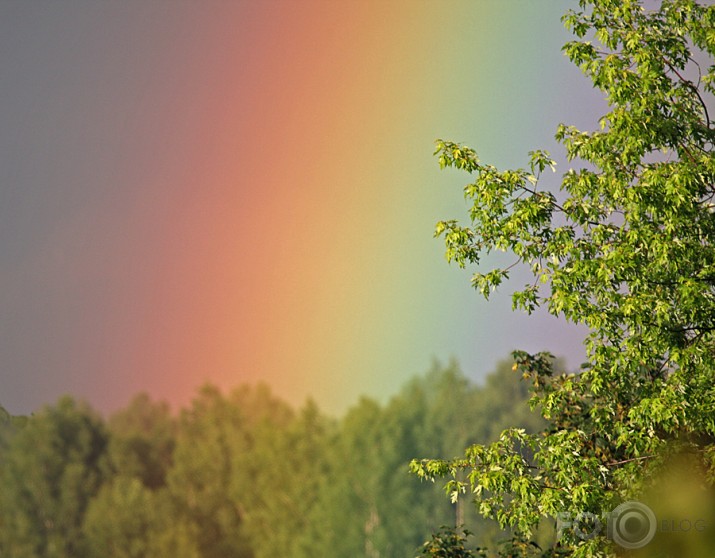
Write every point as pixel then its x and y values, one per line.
pixel 625 247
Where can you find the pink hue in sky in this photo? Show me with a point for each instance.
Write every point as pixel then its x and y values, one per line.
pixel 244 191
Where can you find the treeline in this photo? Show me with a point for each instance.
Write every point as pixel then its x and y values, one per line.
pixel 245 475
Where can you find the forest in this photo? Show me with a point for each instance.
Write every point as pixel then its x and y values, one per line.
pixel 246 475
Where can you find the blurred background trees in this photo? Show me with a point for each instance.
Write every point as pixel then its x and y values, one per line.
pixel 244 474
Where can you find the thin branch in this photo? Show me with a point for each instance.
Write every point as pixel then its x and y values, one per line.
pixel 692 87
pixel 641 458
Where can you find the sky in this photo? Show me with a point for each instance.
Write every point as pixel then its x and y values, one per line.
pixel 244 191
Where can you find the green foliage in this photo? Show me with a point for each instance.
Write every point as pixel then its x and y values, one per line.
pixel 625 247
pixel 49 472
pixel 201 476
pixel 142 442
pixel 449 543
pixel 9 425
pixel 244 474
pixel 128 520
pixel 133 513
pixel 278 443
pixel 390 513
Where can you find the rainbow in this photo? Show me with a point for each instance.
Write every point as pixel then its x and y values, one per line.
pixel 249 194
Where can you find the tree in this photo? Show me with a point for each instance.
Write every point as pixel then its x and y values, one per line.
pixel 391 513
pixel 200 479
pixel 9 425
pixel 128 520
pixel 278 443
pixel 448 543
pixel 626 247
pixel 49 472
pixel 142 440
pixel 132 514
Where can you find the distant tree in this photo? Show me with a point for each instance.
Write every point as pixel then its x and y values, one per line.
pixel 626 247
pixel 119 520
pixel 132 514
pixel 390 512
pixel 9 425
pixel 199 482
pixel 290 446
pixel 142 440
pixel 128 520
pixel 48 474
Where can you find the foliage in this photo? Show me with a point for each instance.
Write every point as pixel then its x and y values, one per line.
pixel 203 465
pixel 128 520
pixel 9 425
pixel 448 543
pixel 49 472
pixel 142 441
pixel 244 474
pixel 625 247
pixel 391 513
pixel 277 443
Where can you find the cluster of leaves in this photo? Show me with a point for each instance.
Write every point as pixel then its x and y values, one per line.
pixel 626 247
pixel 243 474
pixel 449 543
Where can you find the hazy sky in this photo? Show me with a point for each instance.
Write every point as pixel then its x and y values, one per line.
pixel 236 191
